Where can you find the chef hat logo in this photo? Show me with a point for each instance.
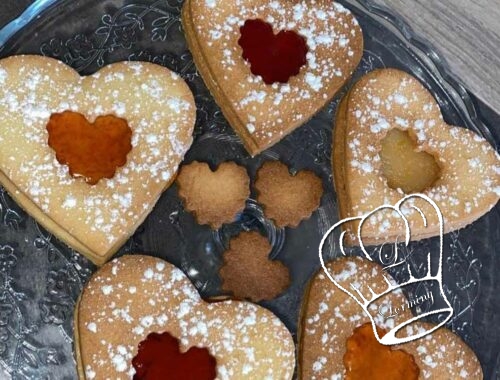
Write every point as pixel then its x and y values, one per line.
pixel 432 274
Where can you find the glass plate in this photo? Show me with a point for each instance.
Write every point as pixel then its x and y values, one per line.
pixel 41 277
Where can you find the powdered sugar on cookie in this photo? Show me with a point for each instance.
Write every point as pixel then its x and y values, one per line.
pixel 269 112
pixel 330 316
pixel 469 180
pixel 246 340
pixel 158 108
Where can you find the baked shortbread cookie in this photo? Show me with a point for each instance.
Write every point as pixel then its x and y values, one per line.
pixel 247 272
pixel 330 317
pixel 95 219
pixel 214 197
pixel 390 135
pixel 262 113
pixel 287 199
pixel 133 296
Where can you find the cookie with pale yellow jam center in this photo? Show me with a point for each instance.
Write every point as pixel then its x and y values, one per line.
pixel 390 140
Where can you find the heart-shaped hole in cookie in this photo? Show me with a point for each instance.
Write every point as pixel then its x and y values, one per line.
pixel 91 150
pixel 404 167
pixel 366 358
pixel 159 357
pixel 275 57
pixel 134 296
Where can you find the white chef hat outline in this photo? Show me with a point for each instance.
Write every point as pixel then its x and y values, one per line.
pixel 390 337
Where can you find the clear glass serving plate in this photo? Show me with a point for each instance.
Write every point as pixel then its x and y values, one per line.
pixel 41 277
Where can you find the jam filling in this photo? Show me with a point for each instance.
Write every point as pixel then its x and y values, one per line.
pixel 275 57
pixel 366 358
pixel 405 167
pixel 159 358
pixel 91 150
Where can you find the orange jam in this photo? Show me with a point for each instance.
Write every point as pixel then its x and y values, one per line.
pixel 91 150
pixel 366 358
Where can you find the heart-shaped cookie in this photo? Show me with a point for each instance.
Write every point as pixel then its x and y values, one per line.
pixel 133 296
pixel 331 321
pixel 214 197
pixel 93 219
pixel 261 113
pixel 287 199
pixel 465 184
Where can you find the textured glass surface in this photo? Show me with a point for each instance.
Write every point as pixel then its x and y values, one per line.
pixel 41 278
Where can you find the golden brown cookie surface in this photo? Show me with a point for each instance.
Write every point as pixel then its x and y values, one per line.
pixel 133 296
pixel 248 273
pixel 468 183
pixel 287 199
pixel 329 317
pixel 263 114
pixel 214 197
pixel 93 219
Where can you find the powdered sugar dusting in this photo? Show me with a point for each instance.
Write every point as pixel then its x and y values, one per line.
pixel 332 35
pixel 331 316
pixel 36 88
pixel 230 330
pixel 468 184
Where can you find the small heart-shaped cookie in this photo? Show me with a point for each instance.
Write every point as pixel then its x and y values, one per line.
pixel 95 219
pixel 456 168
pixel 133 296
pixel 262 114
pixel 214 197
pixel 330 319
pixel 287 199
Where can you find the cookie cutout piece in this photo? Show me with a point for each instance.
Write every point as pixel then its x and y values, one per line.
pixel 91 150
pixel 465 188
pixel 216 197
pixel 287 199
pixel 329 318
pixel 160 355
pixel 248 273
pixel 366 358
pixel 134 295
pixel 260 113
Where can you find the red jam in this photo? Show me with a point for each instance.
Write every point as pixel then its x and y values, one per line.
pixel 275 57
pixel 91 150
pixel 366 358
pixel 159 358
